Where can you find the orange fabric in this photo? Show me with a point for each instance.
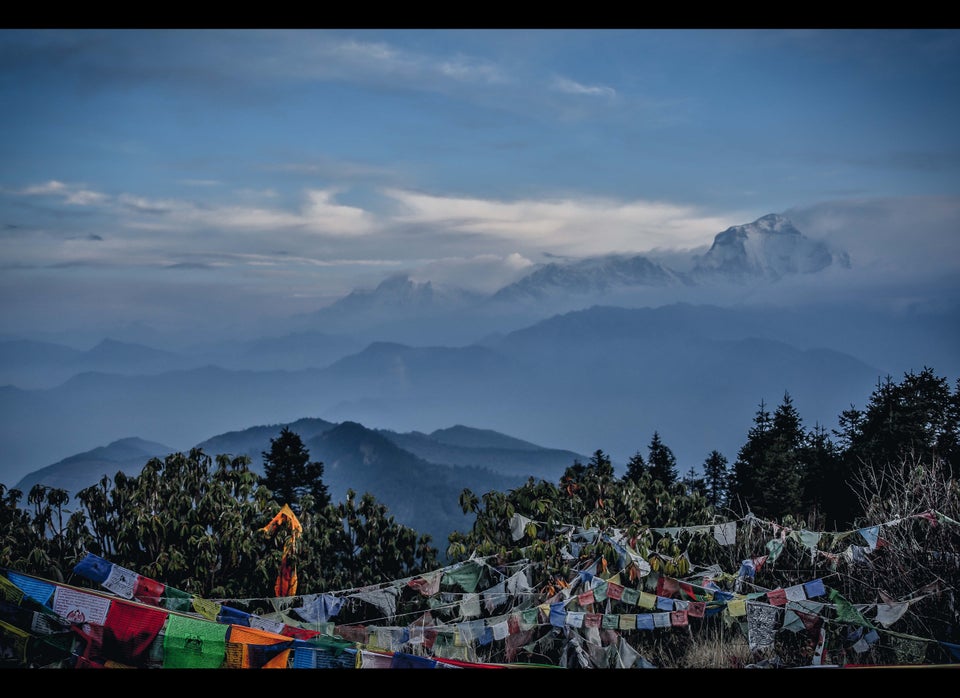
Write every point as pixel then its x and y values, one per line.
pixel 286 584
pixel 285 515
pixel 244 637
pixel 254 636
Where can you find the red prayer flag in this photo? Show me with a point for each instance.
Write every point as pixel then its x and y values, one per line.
pixel 667 586
pixel 777 597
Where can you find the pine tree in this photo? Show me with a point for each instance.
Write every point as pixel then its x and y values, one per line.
pixel 826 481
pixel 916 418
pixel 783 486
pixel 746 482
pixel 289 473
pixel 767 475
pixel 663 464
pixel 636 467
pixel 694 484
pixel 602 463
pixel 716 476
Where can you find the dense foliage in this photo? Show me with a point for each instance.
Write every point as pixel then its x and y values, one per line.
pixel 197 522
pixel 198 525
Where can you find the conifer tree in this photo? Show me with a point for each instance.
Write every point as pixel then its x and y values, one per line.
pixel 827 487
pixel 746 482
pixel 784 464
pixel 918 418
pixel 694 483
pixel 290 474
pixel 716 476
pixel 663 464
pixel 636 467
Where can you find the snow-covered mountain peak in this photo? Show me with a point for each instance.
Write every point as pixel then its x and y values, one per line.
pixel 770 247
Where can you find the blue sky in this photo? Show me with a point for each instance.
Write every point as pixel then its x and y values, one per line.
pixel 188 177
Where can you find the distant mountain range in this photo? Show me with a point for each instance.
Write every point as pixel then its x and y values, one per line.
pixel 598 378
pixel 404 310
pixel 767 249
pixel 576 354
pixel 421 313
pixel 418 476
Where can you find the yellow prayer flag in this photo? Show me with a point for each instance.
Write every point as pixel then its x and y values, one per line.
pixel 737 607
pixel 208 609
pixel 647 600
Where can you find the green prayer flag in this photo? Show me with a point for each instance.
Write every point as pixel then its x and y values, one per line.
pixel 529 618
pixel 466 576
pixel 194 643
pixel 846 612
pixel 774 548
pixel 176 600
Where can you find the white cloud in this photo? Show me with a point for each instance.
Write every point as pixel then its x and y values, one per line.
pixel 378 59
pixel 470 70
pixel 477 235
pixel 51 187
pixel 483 273
pixel 896 236
pixel 71 194
pixel 320 213
pixel 572 226
pixel 327 216
pixel 563 84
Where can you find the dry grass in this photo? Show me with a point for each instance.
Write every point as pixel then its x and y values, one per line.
pixel 727 650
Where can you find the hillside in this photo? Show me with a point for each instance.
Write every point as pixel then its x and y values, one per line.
pixel 419 477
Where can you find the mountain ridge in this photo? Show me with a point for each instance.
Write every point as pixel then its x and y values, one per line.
pixel 536 378
pixel 419 492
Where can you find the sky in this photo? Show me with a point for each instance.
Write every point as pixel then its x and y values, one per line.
pixel 199 177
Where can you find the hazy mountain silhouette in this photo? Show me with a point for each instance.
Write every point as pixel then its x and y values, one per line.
pixel 413 357
pixel 82 470
pixel 44 364
pixel 596 378
pixel 591 276
pixel 420 492
pixel 417 492
pixel 485 448
pixel 295 350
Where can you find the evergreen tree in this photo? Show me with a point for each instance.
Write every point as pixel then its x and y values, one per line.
pixel 784 461
pixel 767 474
pixel 918 418
pixel 716 476
pixel 289 473
pixel 826 481
pixel 601 462
pixel 694 484
pixel 746 482
pixel 663 464
pixel 636 467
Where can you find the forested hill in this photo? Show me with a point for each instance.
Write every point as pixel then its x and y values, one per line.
pixel 418 476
